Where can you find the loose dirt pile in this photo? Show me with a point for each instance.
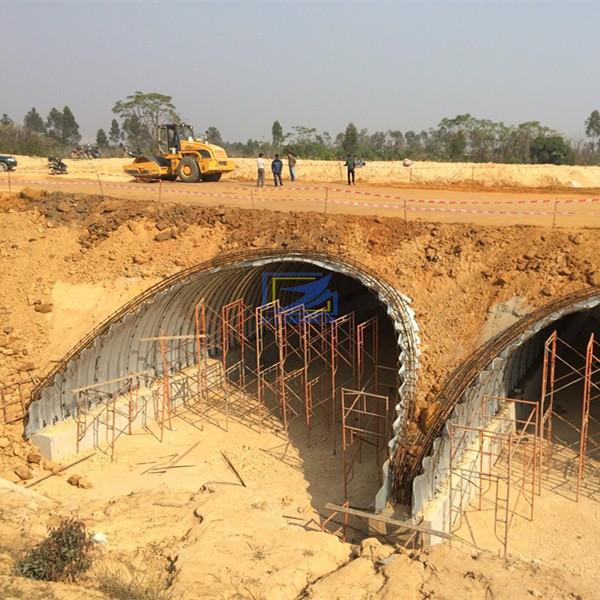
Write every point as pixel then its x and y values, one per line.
pixel 432 174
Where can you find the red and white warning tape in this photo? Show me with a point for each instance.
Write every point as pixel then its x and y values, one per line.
pixel 406 204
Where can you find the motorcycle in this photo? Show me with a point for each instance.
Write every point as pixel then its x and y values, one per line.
pixel 78 153
pixel 86 151
pixel 94 152
pixel 56 166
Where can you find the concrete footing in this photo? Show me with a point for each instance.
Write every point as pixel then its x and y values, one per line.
pixel 106 421
pixel 435 514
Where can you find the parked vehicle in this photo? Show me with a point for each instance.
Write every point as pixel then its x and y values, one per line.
pixel 7 163
pixel 56 166
pixel 86 151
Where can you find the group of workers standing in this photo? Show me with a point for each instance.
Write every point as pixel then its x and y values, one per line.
pixel 277 169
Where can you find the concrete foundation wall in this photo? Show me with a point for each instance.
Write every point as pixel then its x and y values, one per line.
pixel 465 478
pixel 58 442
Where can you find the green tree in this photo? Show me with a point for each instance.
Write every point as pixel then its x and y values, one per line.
pixel 34 122
pixel 54 124
pixel 138 136
pixel 214 135
pixel 101 138
pixel 350 141
pixel 5 120
pixel 592 128
pixel 70 133
pixel 62 126
pixel 516 147
pixel 277 133
pixel 550 149
pixel 114 133
pixel 142 113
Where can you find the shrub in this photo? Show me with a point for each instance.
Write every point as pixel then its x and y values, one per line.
pixel 62 556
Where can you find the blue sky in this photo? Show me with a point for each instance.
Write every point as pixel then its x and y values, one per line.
pixel 240 65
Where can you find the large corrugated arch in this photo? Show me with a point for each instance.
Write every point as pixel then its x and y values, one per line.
pixel 113 348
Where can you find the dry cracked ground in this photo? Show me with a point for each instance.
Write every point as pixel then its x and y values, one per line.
pixel 68 261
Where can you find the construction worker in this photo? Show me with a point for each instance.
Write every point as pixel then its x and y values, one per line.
pixel 350 164
pixel 260 171
pixel 291 158
pixel 276 168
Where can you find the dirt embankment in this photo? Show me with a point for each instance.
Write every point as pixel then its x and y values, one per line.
pixel 419 174
pixel 436 174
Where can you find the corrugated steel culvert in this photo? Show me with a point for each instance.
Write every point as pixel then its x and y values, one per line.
pixel 490 370
pixel 113 349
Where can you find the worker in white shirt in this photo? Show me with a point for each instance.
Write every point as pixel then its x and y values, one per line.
pixel 260 171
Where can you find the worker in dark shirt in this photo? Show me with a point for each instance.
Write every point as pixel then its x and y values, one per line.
pixel 276 168
pixel 350 164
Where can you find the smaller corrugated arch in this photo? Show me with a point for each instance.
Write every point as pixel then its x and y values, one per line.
pixel 483 370
pixel 112 349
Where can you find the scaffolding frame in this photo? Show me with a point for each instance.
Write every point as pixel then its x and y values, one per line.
pixel 267 362
pixel 481 454
pixel 365 419
pixel 368 353
pixel 96 407
pixel 554 349
pixel 170 349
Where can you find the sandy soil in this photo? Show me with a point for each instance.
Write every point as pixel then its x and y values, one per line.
pixel 86 255
pixel 197 530
pixel 377 172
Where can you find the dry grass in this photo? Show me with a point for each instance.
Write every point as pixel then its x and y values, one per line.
pixel 133 584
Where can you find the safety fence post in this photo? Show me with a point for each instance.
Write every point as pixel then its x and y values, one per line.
pixel 99 180
pixel 554 213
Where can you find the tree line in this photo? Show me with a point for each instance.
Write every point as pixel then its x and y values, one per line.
pixel 463 138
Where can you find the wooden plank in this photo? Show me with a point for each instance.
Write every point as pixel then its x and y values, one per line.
pixel 108 382
pixel 381 519
pixel 59 470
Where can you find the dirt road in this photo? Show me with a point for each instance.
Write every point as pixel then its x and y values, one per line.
pixel 459 206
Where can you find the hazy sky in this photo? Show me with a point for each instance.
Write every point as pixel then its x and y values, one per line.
pixel 240 65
